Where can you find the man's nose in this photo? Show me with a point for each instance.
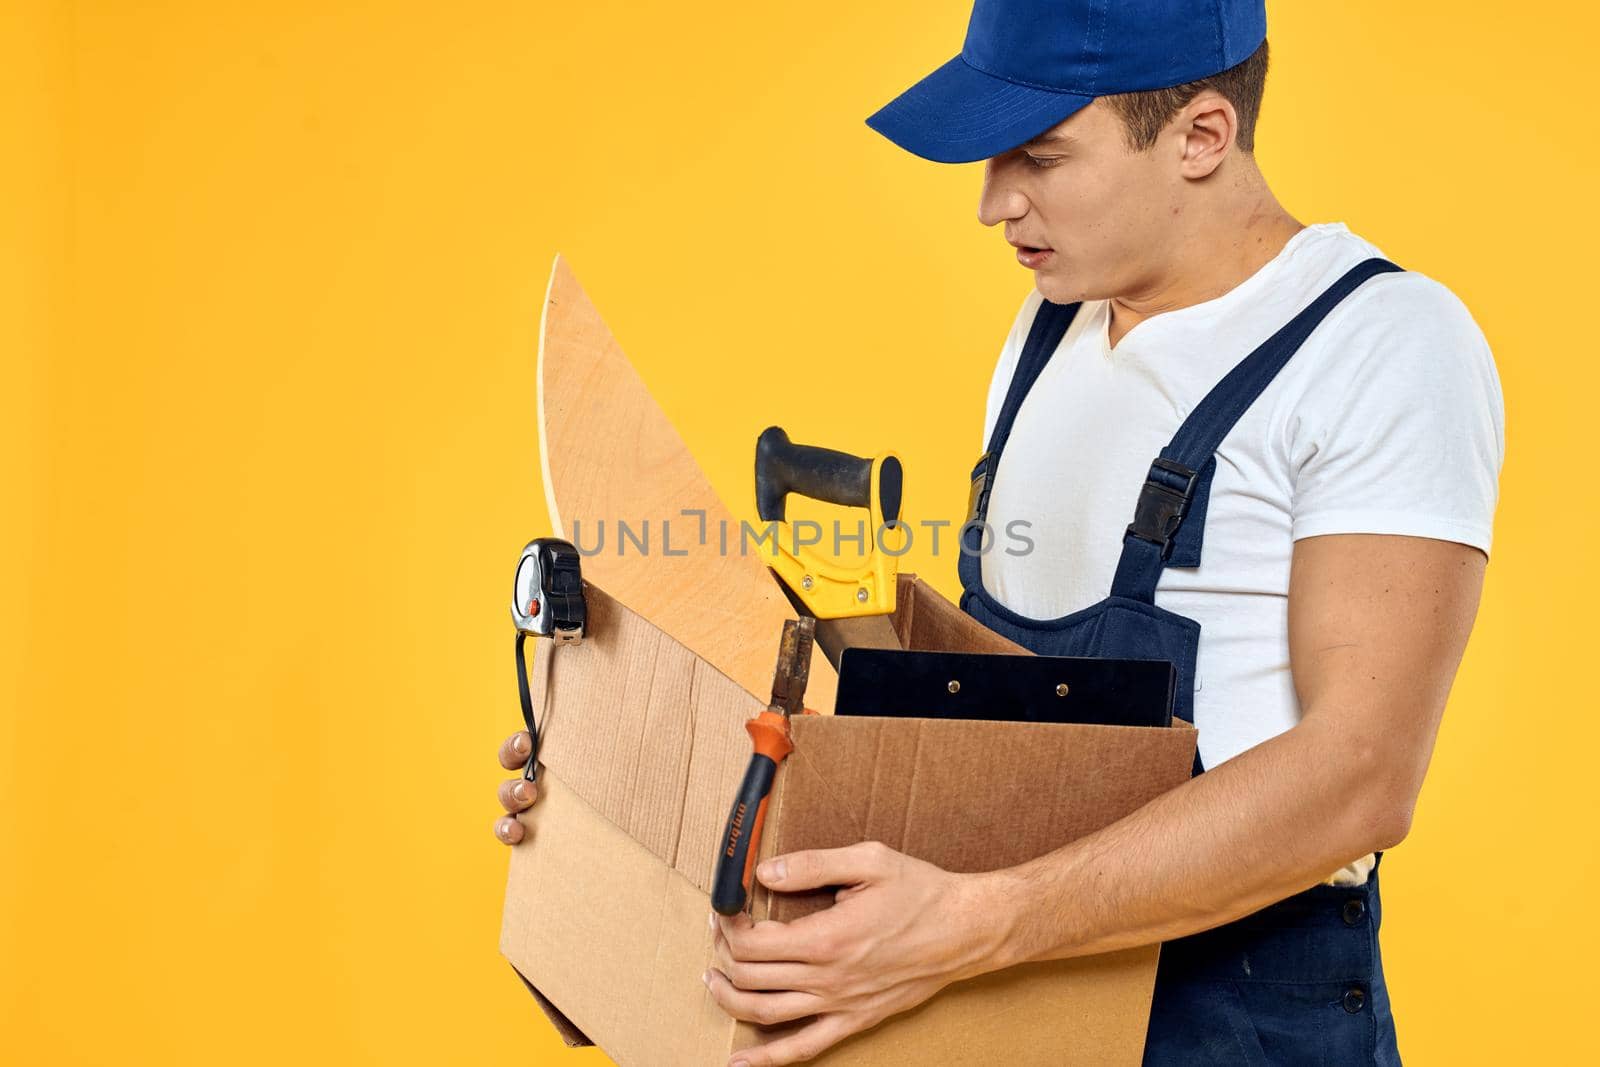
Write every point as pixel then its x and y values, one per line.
pixel 999 200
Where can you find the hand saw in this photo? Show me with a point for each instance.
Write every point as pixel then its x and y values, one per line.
pixel 851 601
pixel 610 457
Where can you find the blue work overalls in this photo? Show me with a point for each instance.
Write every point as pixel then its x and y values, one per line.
pixel 1301 981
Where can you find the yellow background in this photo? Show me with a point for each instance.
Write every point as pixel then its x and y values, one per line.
pixel 271 293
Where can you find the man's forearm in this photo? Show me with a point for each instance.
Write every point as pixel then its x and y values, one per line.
pixel 1260 827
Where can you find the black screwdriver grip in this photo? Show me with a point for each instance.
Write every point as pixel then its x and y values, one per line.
pixel 730 887
pixel 783 467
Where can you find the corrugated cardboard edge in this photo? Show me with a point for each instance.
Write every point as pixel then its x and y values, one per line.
pixel 571 1036
pixel 925 621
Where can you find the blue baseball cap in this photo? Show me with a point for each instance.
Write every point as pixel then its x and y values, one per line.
pixel 1028 65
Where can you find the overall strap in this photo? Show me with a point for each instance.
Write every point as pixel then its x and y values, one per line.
pixel 1050 324
pixel 1169 520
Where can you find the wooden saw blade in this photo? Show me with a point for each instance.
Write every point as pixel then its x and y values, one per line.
pixel 610 455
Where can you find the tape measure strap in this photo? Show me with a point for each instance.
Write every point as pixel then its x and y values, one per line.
pixel 530 770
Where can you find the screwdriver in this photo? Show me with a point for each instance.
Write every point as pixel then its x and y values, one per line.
pixel 769 732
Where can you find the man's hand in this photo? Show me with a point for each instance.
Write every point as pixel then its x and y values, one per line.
pixel 516 794
pixel 899 931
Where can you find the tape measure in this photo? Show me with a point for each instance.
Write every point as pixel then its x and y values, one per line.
pixel 546 601
pixel 547 595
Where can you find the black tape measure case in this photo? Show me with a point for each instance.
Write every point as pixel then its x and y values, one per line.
pixel 1007 688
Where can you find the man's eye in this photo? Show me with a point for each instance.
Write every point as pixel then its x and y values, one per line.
pixel 1041 162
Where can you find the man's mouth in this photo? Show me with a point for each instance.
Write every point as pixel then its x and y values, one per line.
pixel 1033 256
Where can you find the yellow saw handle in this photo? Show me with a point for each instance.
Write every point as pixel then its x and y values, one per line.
pixel 829 589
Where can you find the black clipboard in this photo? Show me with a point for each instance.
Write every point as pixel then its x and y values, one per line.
pixel 1004 687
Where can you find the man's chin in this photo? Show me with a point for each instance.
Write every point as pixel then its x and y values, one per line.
pixel 1056 288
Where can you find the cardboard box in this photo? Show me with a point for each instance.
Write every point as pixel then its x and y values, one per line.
pixel 643 746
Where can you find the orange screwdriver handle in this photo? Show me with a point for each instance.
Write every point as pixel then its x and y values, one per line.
pixel 741 841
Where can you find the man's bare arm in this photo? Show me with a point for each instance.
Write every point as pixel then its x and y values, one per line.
pixel 1377 628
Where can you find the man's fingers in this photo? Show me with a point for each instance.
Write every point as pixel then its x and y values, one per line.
pixel 514 751
pixel 824 867
pixel 517 794
pixel 763 1008
pixel 759 976
pixel 806 1043
pixel 508 831
pixel 770 941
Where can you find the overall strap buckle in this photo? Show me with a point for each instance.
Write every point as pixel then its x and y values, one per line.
pixel 982 482
pixel 1163 502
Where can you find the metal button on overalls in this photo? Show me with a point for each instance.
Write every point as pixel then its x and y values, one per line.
pixel 1300 980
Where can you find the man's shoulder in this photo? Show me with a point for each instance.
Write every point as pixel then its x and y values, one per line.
pixel 1405 317
pixel 1400 343
pixel 1404 302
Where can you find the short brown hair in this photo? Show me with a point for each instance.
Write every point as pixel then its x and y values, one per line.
pixel 1145 114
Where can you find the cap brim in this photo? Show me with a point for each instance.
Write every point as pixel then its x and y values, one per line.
pixel 959 114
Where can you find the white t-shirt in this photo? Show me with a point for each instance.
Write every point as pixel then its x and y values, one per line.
pixel 1388 420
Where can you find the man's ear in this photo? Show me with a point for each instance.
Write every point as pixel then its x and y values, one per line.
pixel 1206 129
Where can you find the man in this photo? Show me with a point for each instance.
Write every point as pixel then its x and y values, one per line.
pixel 1343 480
